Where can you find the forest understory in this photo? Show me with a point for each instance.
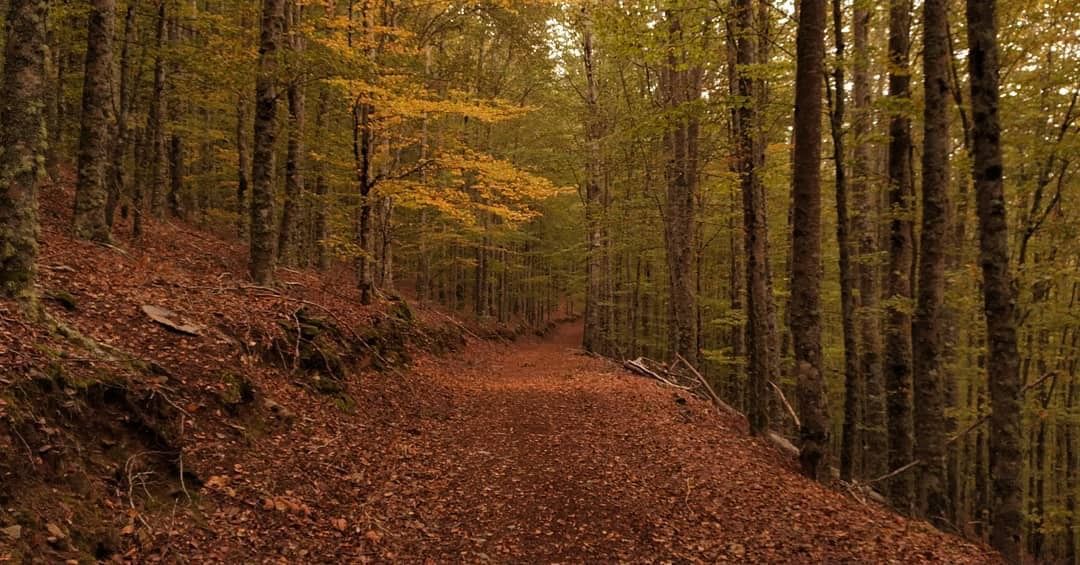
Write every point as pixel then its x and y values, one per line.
pixel 427 440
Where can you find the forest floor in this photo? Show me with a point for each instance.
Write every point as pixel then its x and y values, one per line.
pixel 227 446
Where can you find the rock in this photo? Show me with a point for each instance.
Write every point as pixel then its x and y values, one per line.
pixel 12 532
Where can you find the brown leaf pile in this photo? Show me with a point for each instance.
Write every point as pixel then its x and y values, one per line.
pixel 503 452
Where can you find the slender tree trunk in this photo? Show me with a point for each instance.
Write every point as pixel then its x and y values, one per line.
pixel 806 239
pixel 22 143
pixel 91 191
pixel 117 172
pixel 321 189
pixel 999 296
pixel 594 312
pixel 930 389
pixel 262 257
pixel 155 120
pixel 898 363
pixel 853 394
pixel 760 356
pixel 176 176
pixel 242 165
pixel 875 439
pixel 294 166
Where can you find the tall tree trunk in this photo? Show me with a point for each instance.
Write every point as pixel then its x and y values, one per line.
pixel 294 168
pixel 806 239
pixel 91 191
pixel 155 120
pixel 898 363
pixel 22 143
pixel 928 338
pixel 262 257
pixel 117 172
pixel 594 313
pixel 321 189
pixel 760 356
pixel 682 86
pixel 242 164
pixel 875 439
pixel 999 296
pixel 853 394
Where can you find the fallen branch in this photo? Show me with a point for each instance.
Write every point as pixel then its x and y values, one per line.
pixel 787 405
pixel 712 393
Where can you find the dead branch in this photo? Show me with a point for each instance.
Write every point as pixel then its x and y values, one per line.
pixel 787 404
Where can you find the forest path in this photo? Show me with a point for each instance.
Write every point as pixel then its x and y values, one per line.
pixel 552 456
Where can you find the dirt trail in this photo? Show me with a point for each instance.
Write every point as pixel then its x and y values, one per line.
pixel 551 456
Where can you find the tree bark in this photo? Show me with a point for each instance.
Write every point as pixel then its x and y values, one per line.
pixel 242 164
pixel 176 176
pixel 681 86
pixel 806 239
pixel 999 296
pixel 117 172
pixel 155 121
pixel 761 361
pixel 22 143
pixel 853 385
pixel 262 257
pixel 928 338
pixel 91 191
pixel 294 168
pixel 898 363
pixel 875 439
pixel 593 339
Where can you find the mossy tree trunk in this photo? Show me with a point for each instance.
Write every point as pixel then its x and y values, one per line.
pixel 22 140
pixel 91 190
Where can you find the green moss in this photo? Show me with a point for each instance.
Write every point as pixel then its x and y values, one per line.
pixel 64 299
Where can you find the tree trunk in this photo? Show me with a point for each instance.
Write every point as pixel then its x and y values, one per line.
pixel 155 121
pixel 929 384
pixel 321 189
pixel 294 167
pixel 898 363
pixel 262 257
pixel 91 191
pixel 117 172
pixel 22 143
pixel 875 439
pixel 806 239
pixel 999 296
pixel 760 356
pixel 176 176
pixel 681 86
pixel 242 164
pixel 594 313
pixel 853 393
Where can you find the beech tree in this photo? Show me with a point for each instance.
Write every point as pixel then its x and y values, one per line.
pixel 22 143
pixel 998 295
pixel 91 190
pixel 898 362
pixel 262 258
pixel 806 238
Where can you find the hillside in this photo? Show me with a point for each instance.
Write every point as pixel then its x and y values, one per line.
pixel 386 434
